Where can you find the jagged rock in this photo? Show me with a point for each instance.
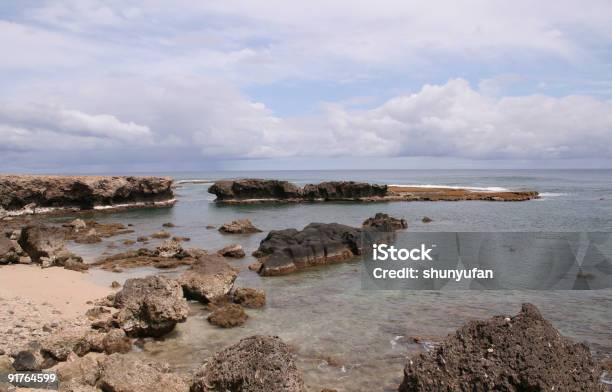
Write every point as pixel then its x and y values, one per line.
pixel 240 226
pixel 520 353
pixel 228 316
pixel 384 222
pixel 31 359
pixel 343 190
pixel 121 374
pixel 40 241
pixel 290 250
pixel 149 306
pixel 209 279
pixel 254 189
pixel 255 364
pixel 80 374
pixel 84 192
pixel 170 248
pixel 116 341
pixel 250 298
pixel 234 251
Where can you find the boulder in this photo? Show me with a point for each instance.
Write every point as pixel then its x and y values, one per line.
pixel 255 364
pixel 170 248
pixel 210 279
pixel 9 251
pixel 116 341
pixel 234 251
pixel 82 192
pixel 251 188
pixel 119 373
pixel 228 316
pixel 79 374
pixel 240 226
pixel 150 306
pixel 384 222
pixel 41 241
pixel 426 219
pixel 250 298
pixel 520 353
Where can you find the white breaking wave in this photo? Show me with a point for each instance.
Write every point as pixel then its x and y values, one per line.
pixel 552 194
pixel 195 181
pixel 469 188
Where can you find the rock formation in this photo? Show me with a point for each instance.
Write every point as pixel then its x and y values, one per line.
pixel 520 353
pixel 36 193
pixel 240 226
pixel 258 190
pixel 255 364
pixel 234 251
pixel 149 306
pixel 46 245
pixel 211 278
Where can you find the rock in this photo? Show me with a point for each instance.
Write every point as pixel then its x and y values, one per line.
pixel 234 251
pixel 384 222
pixel 147 257
pixel 91 341
pixel 6 364
pixel 249 297
pixel 9 251
pixel 149 306
pixel 210 227
pixel 79 374
pixel 60 344
pixel 254 189
pixel 31 359
pixel 520 353
pixel 116 341
pixel 255 364
pixel 170 248
pixel 181 239
pixel 240 226
pixel 40 241
pixel 82 192
pixel 128 242
pixel 142 239
pixel 228 316
pixel 426 219
pixel 75 264
pixel 161 234
pixel 77 224
pixel 115 284
pixel 121 374
pixel 343 190
pixel 168 224
pixel 209 279
pixel 256 266
pixel 290 250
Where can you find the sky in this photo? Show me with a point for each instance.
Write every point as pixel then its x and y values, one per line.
pixel 115 86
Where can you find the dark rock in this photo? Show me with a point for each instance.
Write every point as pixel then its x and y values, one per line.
pixel 240 226
pixel 249 297
pixel 31 360
pixel 228 316
pixel 209 279
pixel 254 189
pixel 426 219
pixel 181 239
pixel 343 190
pixel 115 284
pixel 520 353
pixel 234 251
pixel 142 239
pixel 255 364
pixel 384 222
pixel 149 306
pixel 121 374
pixel 84 192
pixel 129 242
pixel 168 224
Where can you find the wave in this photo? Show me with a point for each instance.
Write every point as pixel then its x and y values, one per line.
pixel 470 188
pixel 552 194
pixel 195 181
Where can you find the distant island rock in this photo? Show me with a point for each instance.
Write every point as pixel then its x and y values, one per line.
pixel 252 190
pixel 37 193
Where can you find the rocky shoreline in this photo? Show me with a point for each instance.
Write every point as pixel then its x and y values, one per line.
pixel 250 190
pixel 35 194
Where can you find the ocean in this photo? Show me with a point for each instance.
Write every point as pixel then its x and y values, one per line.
pixel 352 339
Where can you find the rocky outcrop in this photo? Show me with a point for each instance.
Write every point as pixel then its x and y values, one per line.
pixel 240 226
pixel 257 191
pixel 211 278
pixel 46 245
pixel 255 364
pixel 150 306
pixel 290 250
pixel 39 193
pixel 169 254
pixel 520 353
pixel 228 316
pixel 250 298
pixel 234 251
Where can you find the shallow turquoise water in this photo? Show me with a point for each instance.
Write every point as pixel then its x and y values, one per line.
pixel 356 340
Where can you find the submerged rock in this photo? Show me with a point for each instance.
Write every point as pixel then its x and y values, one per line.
pixel 255 364
pixel 228 316
pixel 209 279
pixel 234 251
pixel 150 306
pixel 520 353
pixel 250 298
pixel 240 226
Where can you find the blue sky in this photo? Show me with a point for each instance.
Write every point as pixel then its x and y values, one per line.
pixel 147 85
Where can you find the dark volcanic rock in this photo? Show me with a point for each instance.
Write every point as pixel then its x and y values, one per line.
pixel 228 316
pixel 520 353
pixel 84 192
pixel 254 189
pixel 211 278
pixel 343 190
pixel 289 250
pixel 255 364
pixel 149 306
pixel 240 226
pixel 250 298
pixel 384 222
